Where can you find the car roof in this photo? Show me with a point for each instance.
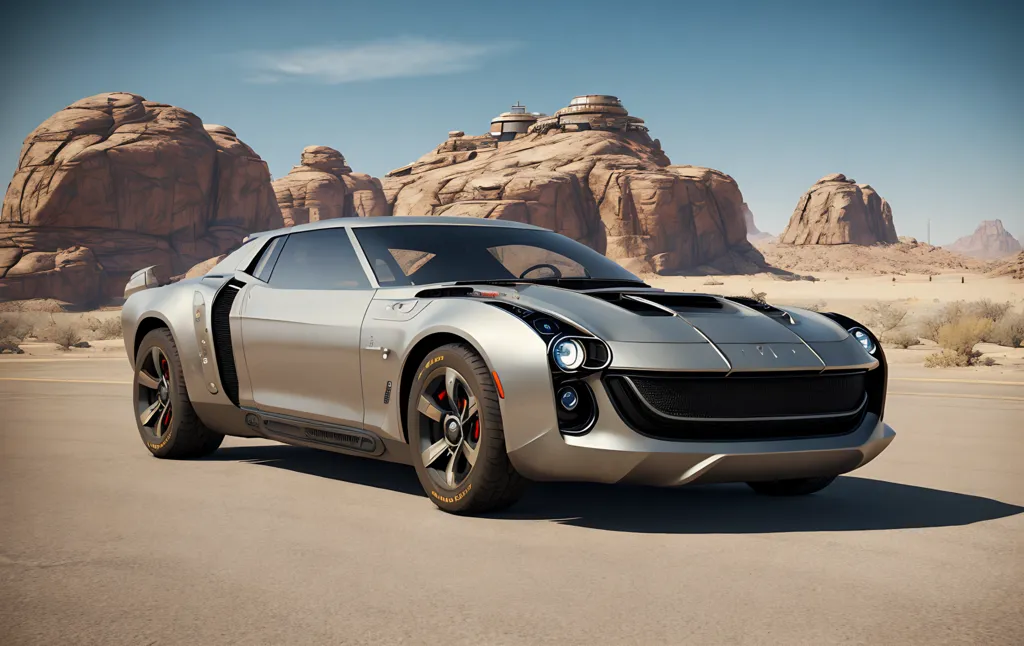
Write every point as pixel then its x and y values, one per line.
pixel 398 221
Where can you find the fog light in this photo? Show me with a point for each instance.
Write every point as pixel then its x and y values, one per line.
pixel 864 339
pixel 568 354
pixel 568 398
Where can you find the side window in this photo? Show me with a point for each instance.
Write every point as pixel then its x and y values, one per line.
pixel 321 259
pixel 265 264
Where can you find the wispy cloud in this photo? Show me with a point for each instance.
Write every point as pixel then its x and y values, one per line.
pixel 382 59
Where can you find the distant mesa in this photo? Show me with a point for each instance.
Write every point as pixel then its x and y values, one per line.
pixel 837 210
pixel 323 187
pixel 592 172
pixel 114 183
pixel 754 235
pixel 989 241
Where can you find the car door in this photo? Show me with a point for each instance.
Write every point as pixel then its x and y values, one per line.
pixel 300 329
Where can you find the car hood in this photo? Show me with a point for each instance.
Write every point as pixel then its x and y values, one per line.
pixel 741 331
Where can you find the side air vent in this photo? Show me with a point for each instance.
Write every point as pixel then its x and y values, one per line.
pixel 683 302
pixel 220 326
pixel 445 292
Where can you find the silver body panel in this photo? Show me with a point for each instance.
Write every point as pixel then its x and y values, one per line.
pixel 337 359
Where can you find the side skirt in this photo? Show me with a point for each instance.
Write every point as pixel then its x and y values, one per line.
pixel 321 435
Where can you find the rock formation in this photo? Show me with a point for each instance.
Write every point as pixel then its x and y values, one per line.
pixel 1012 267
pixel 988 242
pixel 324 187
pixel 839 211
pixel 114 183
pixel 590 172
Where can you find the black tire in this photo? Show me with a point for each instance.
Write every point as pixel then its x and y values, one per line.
pixel 795 487
pixel 167 423
pixel 490 482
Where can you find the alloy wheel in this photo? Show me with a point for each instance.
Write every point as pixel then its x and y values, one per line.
pixel 153 393
pixel 450 419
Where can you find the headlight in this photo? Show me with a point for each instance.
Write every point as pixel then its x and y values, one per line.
pixel 864 339
pixel 568 354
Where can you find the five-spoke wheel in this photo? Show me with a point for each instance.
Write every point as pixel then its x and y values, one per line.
pixel 450 447
pixel 167 422
pixel 456 434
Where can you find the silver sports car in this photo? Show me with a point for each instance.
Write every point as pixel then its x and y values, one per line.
pixel 488 354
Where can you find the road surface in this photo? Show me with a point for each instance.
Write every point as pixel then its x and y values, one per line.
pixel 265 544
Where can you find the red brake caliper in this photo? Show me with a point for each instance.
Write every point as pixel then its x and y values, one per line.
pixel 476 430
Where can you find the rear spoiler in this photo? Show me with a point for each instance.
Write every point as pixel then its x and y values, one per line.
pixel 144 279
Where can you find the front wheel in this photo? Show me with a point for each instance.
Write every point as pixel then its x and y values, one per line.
pixel 795 487
pixel 456 434
pixel 167 422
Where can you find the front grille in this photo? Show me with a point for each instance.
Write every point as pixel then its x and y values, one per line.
pixel 739 407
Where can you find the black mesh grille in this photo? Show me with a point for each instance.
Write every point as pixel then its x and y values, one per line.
pixel 739 407
pixel 733 396
pixel 220 326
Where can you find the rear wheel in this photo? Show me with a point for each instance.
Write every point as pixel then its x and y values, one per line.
pixel 164 415
pixel 795 487
pixel 456 434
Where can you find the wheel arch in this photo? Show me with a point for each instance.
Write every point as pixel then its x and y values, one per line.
pixel 414 357
pixel 148 323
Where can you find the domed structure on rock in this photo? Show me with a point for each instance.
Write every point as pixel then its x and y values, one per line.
pixel 517 121
pixel 837 210
pixel 114 183
pixel 593 173
pixel 323 186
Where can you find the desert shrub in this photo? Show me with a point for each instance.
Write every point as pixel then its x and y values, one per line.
pixel 90 323
pixel 902 339
pixel 1008 330
pixel 949 313
pixel 15 326
pixel 988 309
pixel 820 306
pixel 110 328
pixel 960 337
pixel 713 281
pixel 946 359
pixel 65 336
pixel 760 297
pixel 884 317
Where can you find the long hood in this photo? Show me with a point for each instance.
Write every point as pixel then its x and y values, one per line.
pixel 654 329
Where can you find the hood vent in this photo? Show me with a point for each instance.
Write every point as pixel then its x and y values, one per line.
pixel 661 303
pixel 764 308
pixel 625 302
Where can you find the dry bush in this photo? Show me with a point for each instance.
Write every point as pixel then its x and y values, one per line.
pixel 961 336
pixel 110 328
pixel 1008 330
pixel 820 306
pixel 902 339
pixel 987 309
pixel 15 326
pixel 713 281
pixel 65 336
pixel 760 297
pixel 90 323
pixel 883 317
pixel 950 313
pixel 946 359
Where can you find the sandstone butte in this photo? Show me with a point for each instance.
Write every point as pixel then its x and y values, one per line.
pixel 989 241
pixel 590 172
pixel 114 183
pixel 837 210
pixel 322 186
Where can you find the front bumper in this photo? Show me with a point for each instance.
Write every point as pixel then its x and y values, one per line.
pixel 614 453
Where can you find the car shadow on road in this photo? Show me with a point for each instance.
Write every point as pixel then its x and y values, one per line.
pixel 849 504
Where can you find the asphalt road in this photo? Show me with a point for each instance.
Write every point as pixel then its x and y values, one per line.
pixel 265 544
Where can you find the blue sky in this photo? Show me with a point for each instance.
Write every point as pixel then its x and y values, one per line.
pixel 923 100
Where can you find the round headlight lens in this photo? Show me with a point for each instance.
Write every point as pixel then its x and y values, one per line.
pixel 568 354
pixel 864 340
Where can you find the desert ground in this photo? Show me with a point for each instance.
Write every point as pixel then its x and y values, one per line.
pixel 265 544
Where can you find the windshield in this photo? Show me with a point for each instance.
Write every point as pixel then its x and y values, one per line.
pixel 431 253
